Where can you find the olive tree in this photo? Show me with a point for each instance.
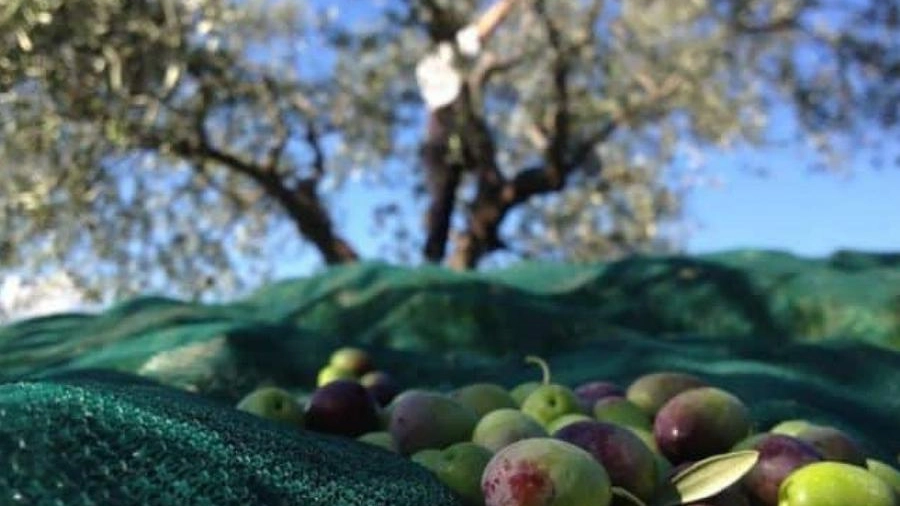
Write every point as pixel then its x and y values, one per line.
pixel 181 144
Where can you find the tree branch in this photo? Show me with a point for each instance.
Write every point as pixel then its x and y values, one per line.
pixel 313 138
pixel 555 154
pixel 593 13
pixel 301 203
pixel 281 135
pixel 779 25
pixel 490 65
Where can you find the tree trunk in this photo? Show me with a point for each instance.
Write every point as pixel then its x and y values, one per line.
pixel 482 235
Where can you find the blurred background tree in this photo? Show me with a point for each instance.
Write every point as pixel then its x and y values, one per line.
pixel 179 145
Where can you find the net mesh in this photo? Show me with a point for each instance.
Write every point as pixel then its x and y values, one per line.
pixel 90 439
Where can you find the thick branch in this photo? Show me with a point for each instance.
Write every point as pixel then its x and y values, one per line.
pixel 313 139
pixel 593 14
pixel 559 139
pixel 281 134
pixel 301 202
pixel 302 205
pixel 487 213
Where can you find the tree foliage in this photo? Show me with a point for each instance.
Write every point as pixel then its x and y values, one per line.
pixel 179 145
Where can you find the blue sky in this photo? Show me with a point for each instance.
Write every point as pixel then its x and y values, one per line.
pixel 797 210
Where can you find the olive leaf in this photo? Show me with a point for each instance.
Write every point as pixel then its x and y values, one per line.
pixel 707 478
pixel 621 492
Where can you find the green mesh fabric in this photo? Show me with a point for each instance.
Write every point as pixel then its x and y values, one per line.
pixel 815 339
pixel 105 440
pixel 538 307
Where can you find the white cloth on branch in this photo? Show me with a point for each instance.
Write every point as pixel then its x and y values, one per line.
pixel 438 74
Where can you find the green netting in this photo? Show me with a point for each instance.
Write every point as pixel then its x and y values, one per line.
pixel 88 440
pixel 816 339
pixel 538 307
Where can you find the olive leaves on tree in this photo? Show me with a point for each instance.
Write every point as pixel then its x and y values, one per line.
pixel 148 147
